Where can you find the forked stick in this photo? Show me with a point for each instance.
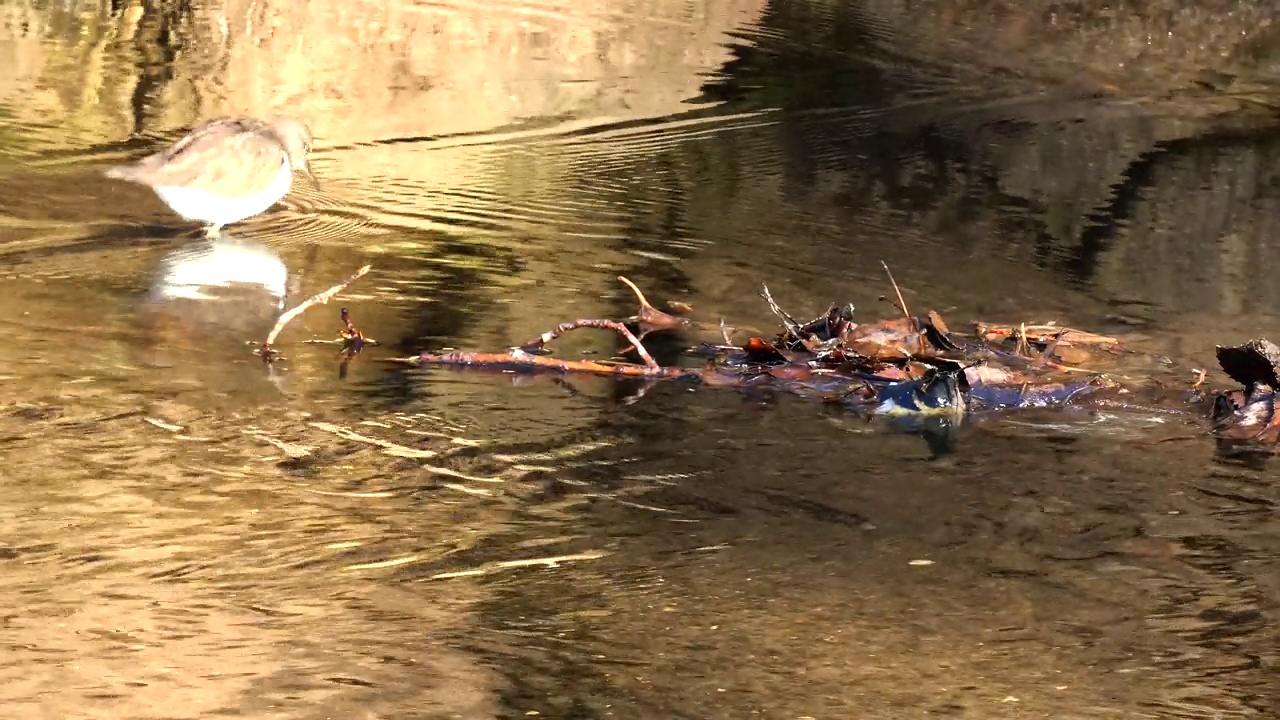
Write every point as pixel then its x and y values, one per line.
pixel 322 298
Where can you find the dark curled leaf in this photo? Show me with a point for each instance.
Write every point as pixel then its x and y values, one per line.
pixel 1225 406
pixel 936 332
pixel 938 323
pixel 1254 363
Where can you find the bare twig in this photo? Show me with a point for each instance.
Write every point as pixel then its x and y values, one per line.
pixel 269 355
pixel 792 326
pixel 650 317
pixel 519 359
pixel 614 325
pixel 644 302
pixel 902 304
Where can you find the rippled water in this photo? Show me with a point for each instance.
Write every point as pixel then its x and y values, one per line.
pixel 190 534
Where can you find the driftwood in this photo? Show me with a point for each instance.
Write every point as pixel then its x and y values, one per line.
pixel 913 365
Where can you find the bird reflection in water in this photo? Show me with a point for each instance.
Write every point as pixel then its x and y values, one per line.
pixel 212 296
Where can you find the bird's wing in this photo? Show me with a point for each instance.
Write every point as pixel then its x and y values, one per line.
pixel 213 155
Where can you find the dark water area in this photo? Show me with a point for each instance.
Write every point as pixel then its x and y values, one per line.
pixel 191 534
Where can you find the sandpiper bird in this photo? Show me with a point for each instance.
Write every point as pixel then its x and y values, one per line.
pixel 226 169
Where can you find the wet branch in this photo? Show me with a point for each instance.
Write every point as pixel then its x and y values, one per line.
pixel 518 358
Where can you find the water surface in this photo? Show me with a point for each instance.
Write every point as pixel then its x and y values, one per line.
pixel 193 535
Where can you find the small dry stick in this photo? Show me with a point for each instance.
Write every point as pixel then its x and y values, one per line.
pixel 318 299
pixel 1022 347
pixel 792 326
pixel 644 302
pixel 902 304
pixel 649 315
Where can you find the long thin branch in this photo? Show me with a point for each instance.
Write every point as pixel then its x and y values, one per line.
pixel 520 359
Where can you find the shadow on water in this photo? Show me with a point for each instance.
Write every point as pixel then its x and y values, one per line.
pixel 194 535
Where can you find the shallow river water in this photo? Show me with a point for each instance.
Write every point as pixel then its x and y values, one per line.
pixel 188 534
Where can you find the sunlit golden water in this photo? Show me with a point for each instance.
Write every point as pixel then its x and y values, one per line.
pixel 190 534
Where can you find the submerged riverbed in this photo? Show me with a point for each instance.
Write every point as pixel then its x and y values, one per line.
pixel 192 534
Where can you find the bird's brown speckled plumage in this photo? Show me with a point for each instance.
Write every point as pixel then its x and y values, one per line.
pixel 226 169
pixel 225 156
